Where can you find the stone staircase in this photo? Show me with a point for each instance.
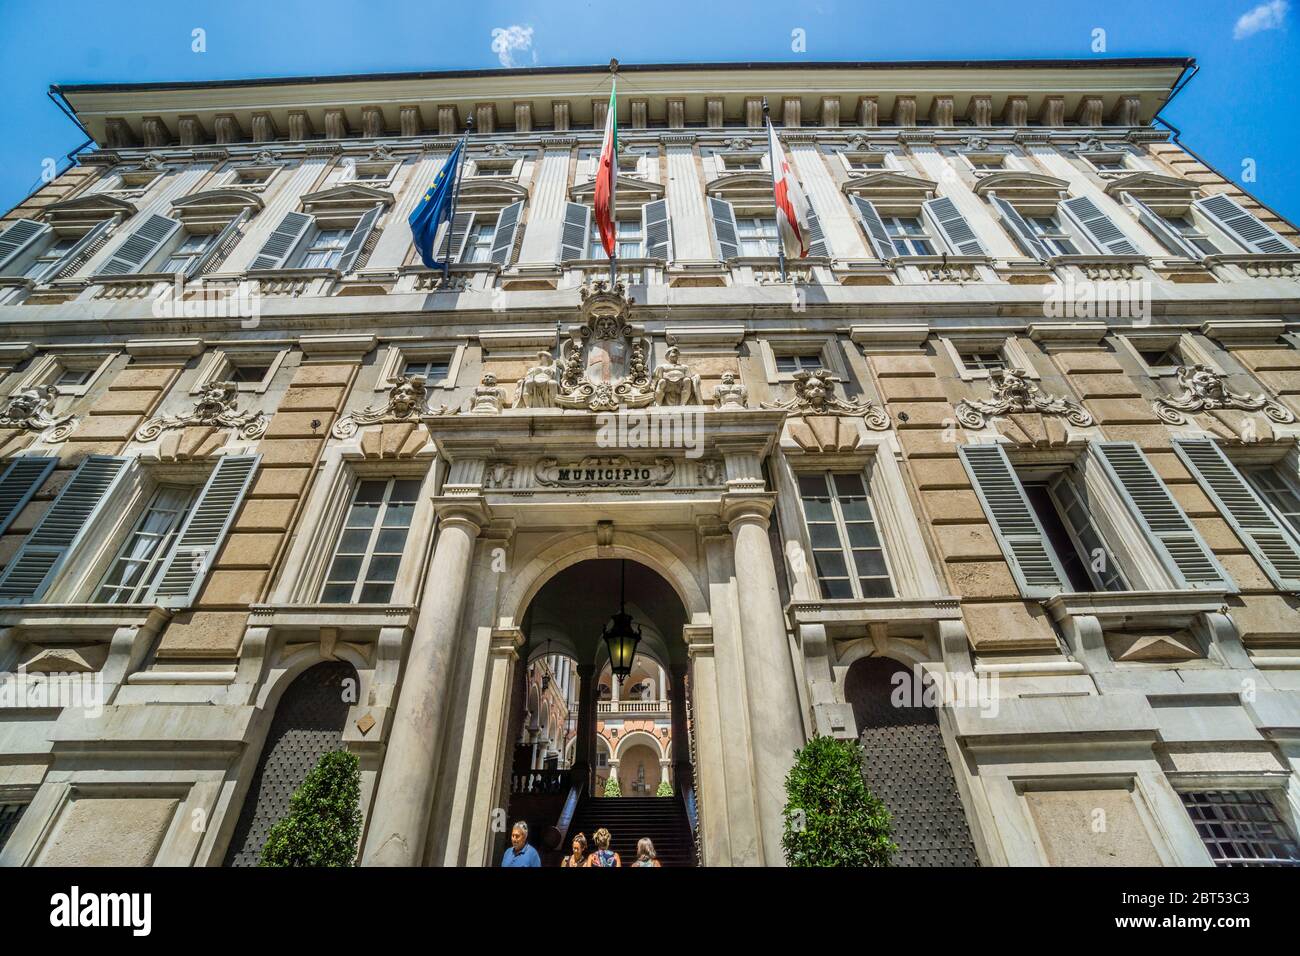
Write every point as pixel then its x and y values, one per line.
pixel 628 819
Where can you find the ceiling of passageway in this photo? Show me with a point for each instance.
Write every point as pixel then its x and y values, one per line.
pixel 575 605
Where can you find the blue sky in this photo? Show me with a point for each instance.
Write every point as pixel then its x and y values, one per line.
pixel 1234 111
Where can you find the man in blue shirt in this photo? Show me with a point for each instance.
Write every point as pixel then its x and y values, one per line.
pixel 520 853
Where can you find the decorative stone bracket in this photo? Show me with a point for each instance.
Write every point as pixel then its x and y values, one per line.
pixel 217 406
pixel 406 403
pixel 29 410
pixel 1204 390
pixel 814 394
pixel 1012 391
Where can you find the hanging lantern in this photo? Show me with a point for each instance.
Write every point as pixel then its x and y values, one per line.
pixel 621 635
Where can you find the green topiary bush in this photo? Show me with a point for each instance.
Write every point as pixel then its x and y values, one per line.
pixel 665 789
pixel 831 819
pixel 324 821
pixel 612 789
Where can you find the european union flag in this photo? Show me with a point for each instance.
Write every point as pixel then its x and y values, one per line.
pixel 435 207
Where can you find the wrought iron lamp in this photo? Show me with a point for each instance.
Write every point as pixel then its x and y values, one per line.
pixel 621 635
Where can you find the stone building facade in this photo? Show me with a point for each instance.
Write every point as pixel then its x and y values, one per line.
pixel 1015 447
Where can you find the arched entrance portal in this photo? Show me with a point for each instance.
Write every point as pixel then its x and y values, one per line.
pixel 907 766
pixel 574 726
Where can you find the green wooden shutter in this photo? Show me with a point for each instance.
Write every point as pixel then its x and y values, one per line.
pixel 1098 227
pixel 954 228
pixel 503 237
pixel 1241 225
pixel 140 247
pixel 1269 540
pixel 1181 549
pixel 19 481
pixel 658 230
pixel 874 226
pixel 723 216
pixel 227 237
pixel 1034 565
pixel 282 242
pixel 60 530
pixel 204 530
pixel 817 244
pixel 1019 228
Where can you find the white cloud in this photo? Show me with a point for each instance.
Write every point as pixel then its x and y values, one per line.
pixel 1266 16
pixel 507 41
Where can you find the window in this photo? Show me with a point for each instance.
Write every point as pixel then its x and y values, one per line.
pixel 478 243
pixel 847 554
pixel 908 235
pixel 1062 510
pixel 254 175
pixel 758 236
pixel 249 374
pixel 10 814
pixel 865 162
pixel 142 554
pixel 370 547
pixel 791 362
pixel 1108 162
pixel 73 377
pixel 748 162
pixel 1160 358
pixel 434 370
pixel 987 161
pixel 48 257
pixel 1278 493
pixel 483 167
pixel 325 249
pixel 1049 231
pixel 628 237
pixel 1241 828
pixel 1183 226
pixel 184 255
pixel 982 361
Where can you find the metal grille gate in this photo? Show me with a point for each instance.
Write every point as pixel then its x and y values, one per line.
pixel 308 723
pixel 907 767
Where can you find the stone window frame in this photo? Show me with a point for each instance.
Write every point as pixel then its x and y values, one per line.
pixel 1007 343
pixel 827 346
pixel 889 160
pixel 388 167
pixel 46 369
pixel 179 844
pixel 217 363
pixel 147 180
pixel 237 180
pixel 912 572
pixel 342 470
pixel 398 354
pixel 1134 343
pixel 1146 802
pixel 1130 165
pixel 725 157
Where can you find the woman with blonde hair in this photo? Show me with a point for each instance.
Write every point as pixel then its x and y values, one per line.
pixel 576 858
pixel 645 853
pixel 603 856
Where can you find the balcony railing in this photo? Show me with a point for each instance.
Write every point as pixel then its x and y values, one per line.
pixel 632 707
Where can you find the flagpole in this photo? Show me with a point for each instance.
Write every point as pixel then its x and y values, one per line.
pixel 455 193
pixel 776 217
pixel 613 174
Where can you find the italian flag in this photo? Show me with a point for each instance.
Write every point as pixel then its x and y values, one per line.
pixel 791 204
pixel 606 174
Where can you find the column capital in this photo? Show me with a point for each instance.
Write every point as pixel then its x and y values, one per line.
pixel 506 642
pixel 463 511
pixel 747 508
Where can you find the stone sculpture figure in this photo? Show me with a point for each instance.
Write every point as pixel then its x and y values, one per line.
pixel 540 385
pixel 674 383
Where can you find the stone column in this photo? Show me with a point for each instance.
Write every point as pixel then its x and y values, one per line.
pixel 583 756
pixel 772 699
pixel 682 773
pixel 400 820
